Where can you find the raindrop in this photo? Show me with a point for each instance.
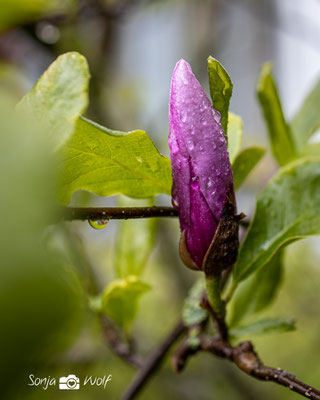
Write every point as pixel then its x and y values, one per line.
pixel 209 183
pixel 185 80
pixel 139 159
pixel 218 173
pixel 216 116
pixel 190 144
pixel 175 202
pixel 214 146
pixel 99 224
pixel 183 116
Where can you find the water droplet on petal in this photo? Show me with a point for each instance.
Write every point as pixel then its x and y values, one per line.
pixel 194 182
pixel 216 116
pixel 218 173
pixel 190 144
pixel 175 202
pixel 185 80
pixel 183 116
pixel 99 224
pixel 214 146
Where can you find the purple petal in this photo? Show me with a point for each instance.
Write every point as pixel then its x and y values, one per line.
pixel 201 168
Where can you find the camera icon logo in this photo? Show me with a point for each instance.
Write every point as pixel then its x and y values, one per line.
pixel 71 382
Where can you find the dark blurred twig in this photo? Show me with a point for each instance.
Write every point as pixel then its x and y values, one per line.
pixel 121 348
pixel 153 363
pixel 104 213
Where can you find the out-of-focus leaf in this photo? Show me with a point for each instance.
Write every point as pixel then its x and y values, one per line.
pixel 107 162
pixel 41 302
pixel 120 299
pixel 59 97
pixel 256 293
pixel 244 164
pixel 192 313
pixel 288 209
pixel 307 119
pixel 134 242
pixel 220 90
pixel 265 326
pixel 11 81
pixel 312 149
pixel 282 144
pixel 14 12
pixel 234 135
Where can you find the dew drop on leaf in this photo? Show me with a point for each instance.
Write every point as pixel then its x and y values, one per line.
pixel 100 224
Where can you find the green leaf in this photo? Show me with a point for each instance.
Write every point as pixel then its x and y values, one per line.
pixel 220 90
pixel 307 119
pixel 59 97
pixel 288 209
pixel 244 164
pixel 234 135
pixel 192 313
pixel 134 242
pixel 282 144
pixel 107 162
pixel 14 12
pixel 256 293
pixel 265 326
pixel 120 299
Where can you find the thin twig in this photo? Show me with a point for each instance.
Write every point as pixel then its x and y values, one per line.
pixel 121 348
pixel 153 362
pixel 245 358
pixel 105 213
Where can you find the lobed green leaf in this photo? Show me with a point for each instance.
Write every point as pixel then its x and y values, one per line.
pixel 282 144
pixel 59 97
pixel 288 209
pixel 107 162
pixel 220 90
pixel 244 164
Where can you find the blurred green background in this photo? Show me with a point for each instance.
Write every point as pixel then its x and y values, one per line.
pixel 47 328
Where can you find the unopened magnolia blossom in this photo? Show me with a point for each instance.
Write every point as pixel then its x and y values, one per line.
pixel 202 174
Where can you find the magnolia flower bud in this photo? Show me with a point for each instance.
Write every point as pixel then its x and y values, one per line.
pixel 202 189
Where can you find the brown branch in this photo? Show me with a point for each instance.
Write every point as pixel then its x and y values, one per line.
pixel 247 360
pixel 102 213
pixel 105 213
pixel 153 363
